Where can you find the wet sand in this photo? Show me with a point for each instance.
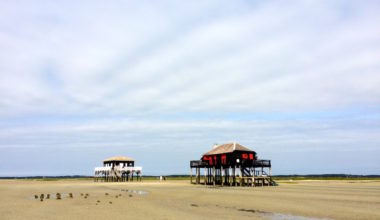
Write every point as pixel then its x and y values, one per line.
pixel 180 200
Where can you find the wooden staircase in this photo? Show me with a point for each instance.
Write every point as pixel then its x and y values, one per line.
pixel 117 174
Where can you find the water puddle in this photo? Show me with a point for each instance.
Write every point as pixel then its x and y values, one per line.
pixel 137 192
pixel 279 216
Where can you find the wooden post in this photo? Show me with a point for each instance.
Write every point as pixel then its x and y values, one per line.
pixel 200 175
pixel 191 175
pixel 208 175
pixel 221 173
pixel 234 177
pixel 240 175
pixel 253 177
pixel 230 176
pixel 213 174
pixel 197 177
pixel 204 171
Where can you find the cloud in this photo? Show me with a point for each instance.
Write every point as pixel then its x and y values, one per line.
pixel 157 143
pixel 160 76
pixel 262 59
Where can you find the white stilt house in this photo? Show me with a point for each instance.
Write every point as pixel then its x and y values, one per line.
pixel 118 169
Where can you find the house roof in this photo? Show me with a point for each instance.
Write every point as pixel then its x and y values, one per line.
pixel 119 159
pixel 227 148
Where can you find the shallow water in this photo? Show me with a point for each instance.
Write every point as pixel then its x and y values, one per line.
pixel 138 192
pixel 280 216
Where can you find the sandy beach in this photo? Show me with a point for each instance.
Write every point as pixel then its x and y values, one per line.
pixel 180 200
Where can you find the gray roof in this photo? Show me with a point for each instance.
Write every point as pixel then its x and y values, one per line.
pixel 119 159
pixel 228 148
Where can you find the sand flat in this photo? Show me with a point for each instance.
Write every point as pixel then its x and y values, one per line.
pixel 179 199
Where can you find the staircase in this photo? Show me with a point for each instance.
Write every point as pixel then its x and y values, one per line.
pixel 268 179
pixel 117 173
pixel 256 177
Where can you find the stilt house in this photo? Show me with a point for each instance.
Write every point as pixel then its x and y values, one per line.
pixel 231 164
pixel 118 169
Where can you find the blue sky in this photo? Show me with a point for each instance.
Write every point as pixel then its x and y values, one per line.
pixel 296 81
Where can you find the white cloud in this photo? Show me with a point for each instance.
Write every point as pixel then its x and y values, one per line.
pixel 162 66
pixel 112 59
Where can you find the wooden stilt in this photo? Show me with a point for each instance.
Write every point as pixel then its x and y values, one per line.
pixel 191 175
pixel 204 170
pixel 230 177
pixel 221 171
pixel 240 175
pixel 199 175
pixel 234 178
pixel 196 175
pixel 213 174
pixel 253 176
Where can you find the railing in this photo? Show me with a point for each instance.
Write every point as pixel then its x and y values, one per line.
pixel 130 169
pixel 256 163
pixel 262 163
pixel 122 169
pixel 261 173
pixel 197 163
pixel 104 169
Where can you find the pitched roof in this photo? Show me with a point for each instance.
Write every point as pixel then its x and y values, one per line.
pixel 119 159
pixel 227 148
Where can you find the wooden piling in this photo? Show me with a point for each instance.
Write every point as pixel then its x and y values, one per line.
pixel 205 178
pixel 191 175
pixel 230 176
pixel 213 174
pixel 240 175
pixel 221 173
pixel 234 177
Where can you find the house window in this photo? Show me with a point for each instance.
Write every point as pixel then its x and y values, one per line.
pixel 224 159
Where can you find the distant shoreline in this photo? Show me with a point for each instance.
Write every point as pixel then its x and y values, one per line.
pixel 279 177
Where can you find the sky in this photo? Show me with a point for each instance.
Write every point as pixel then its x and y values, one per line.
pixel 163 81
